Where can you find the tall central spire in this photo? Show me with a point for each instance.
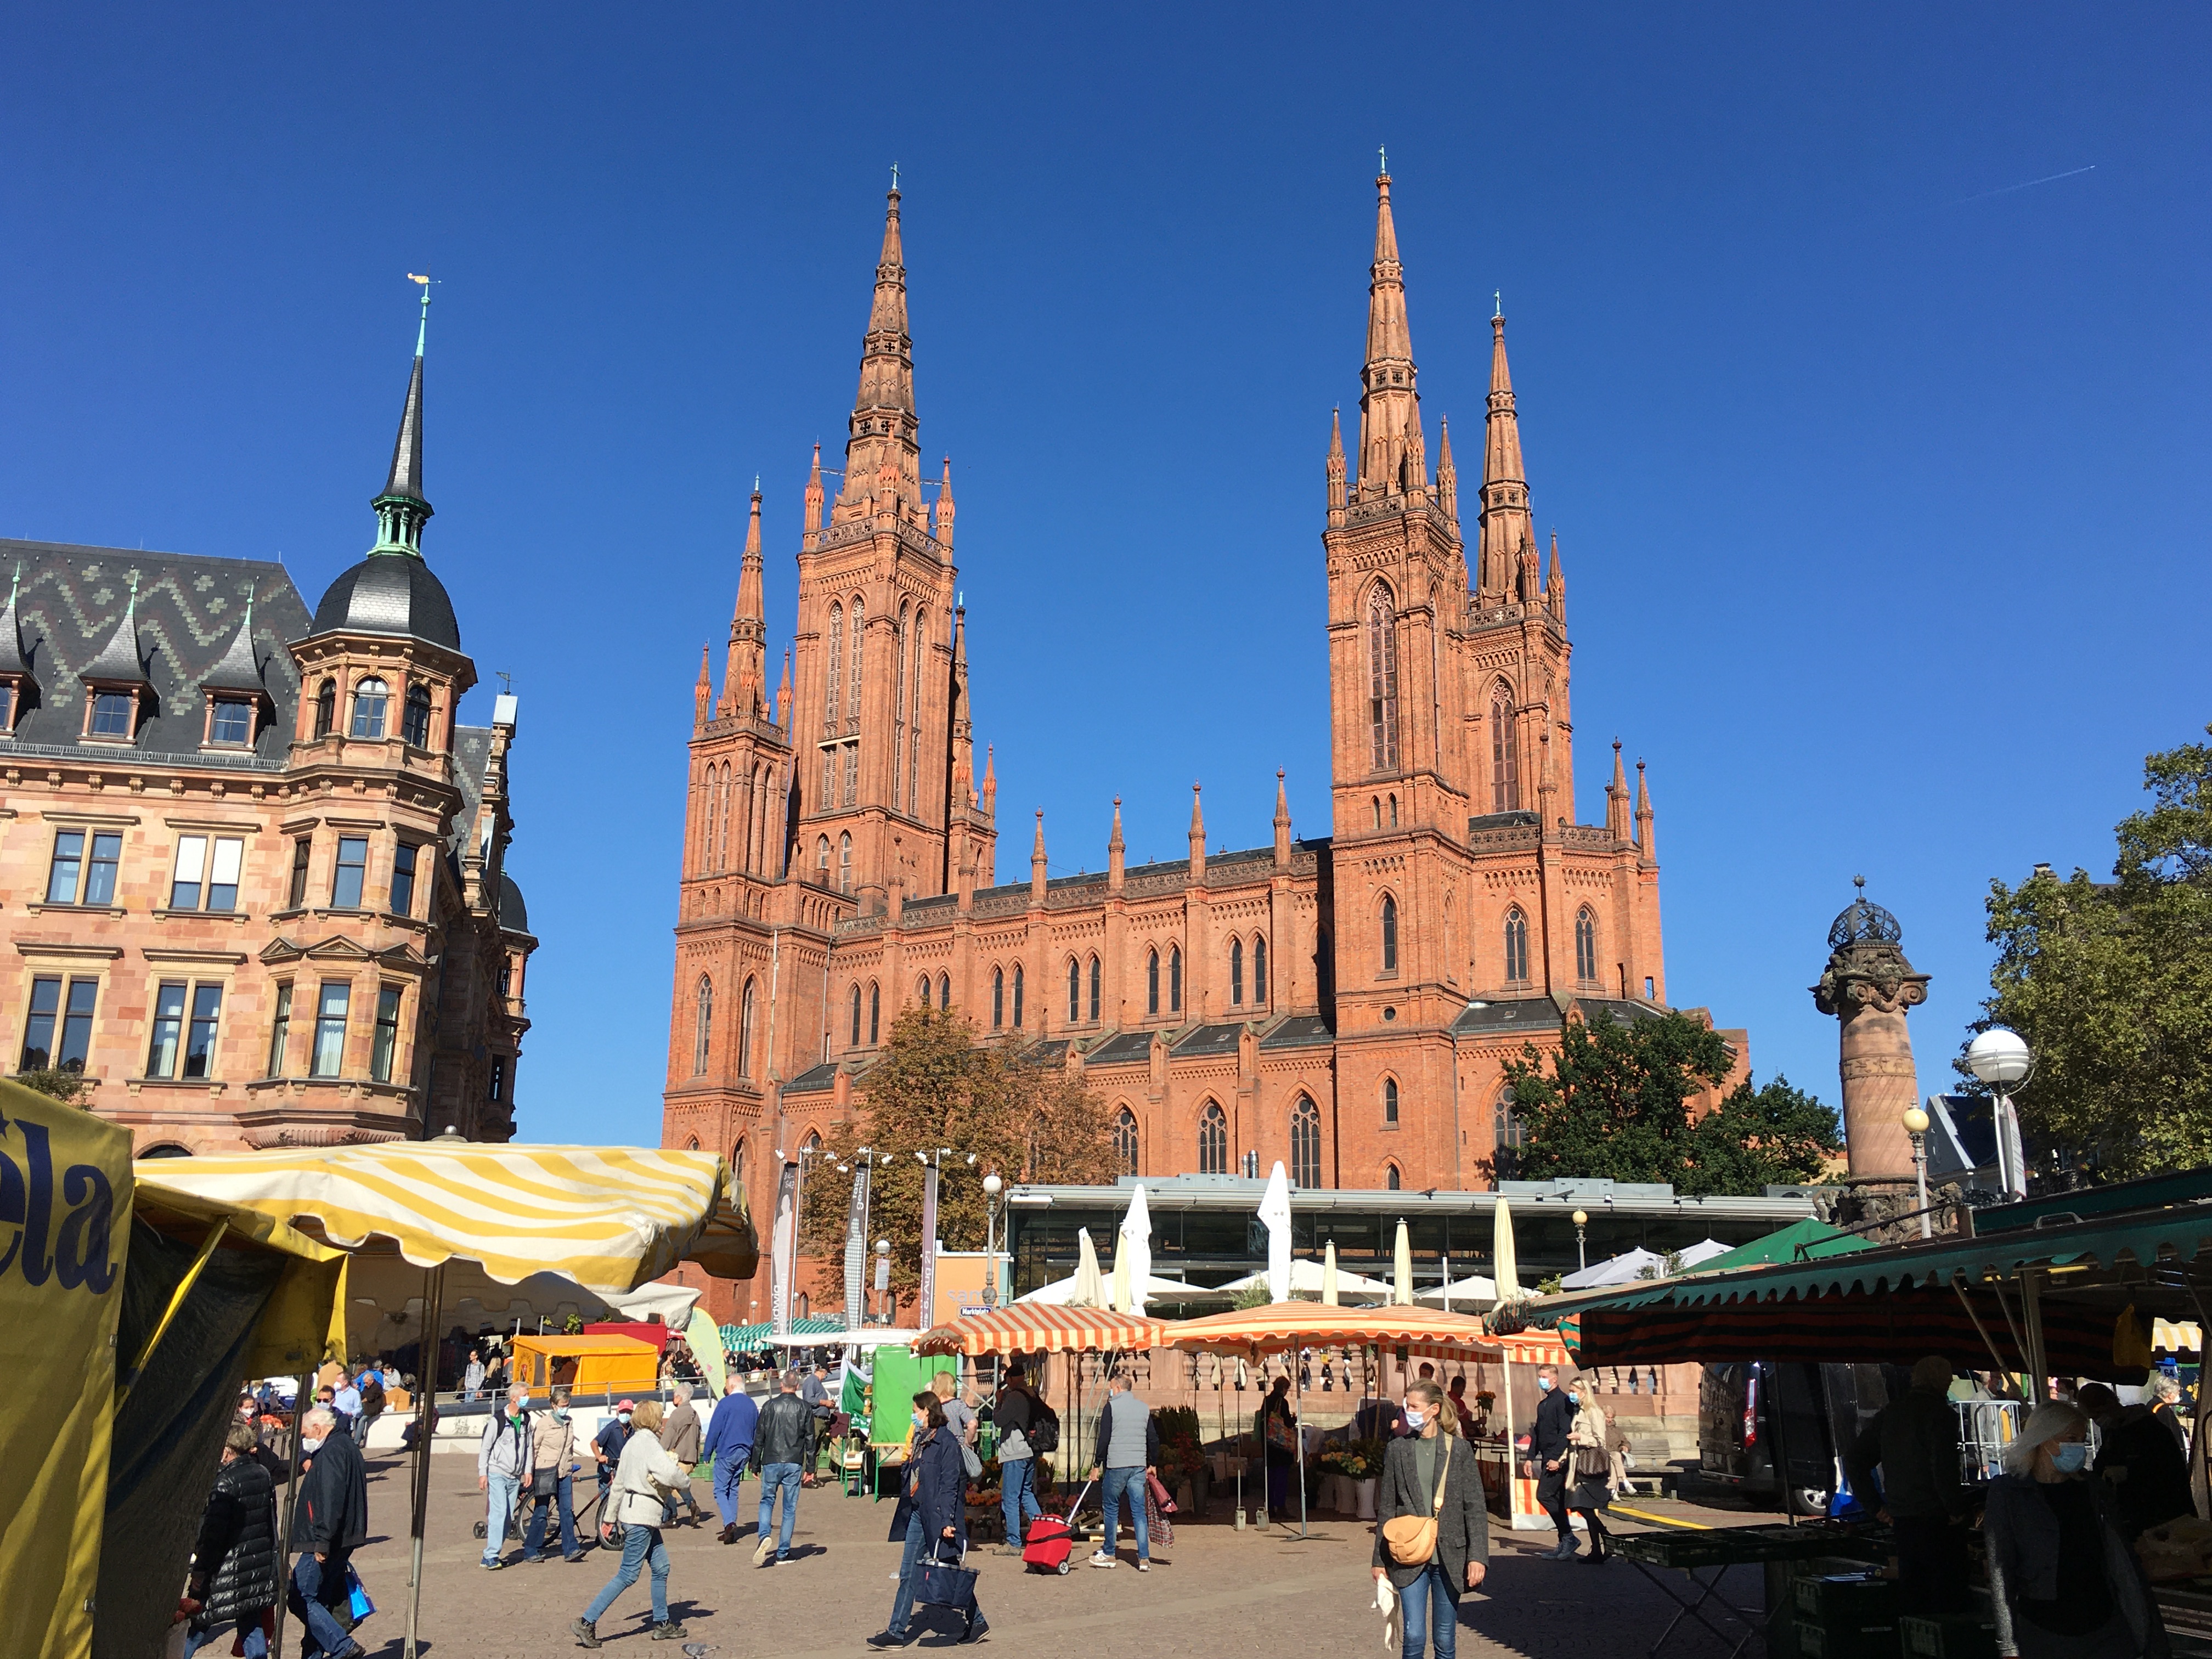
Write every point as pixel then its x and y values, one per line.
pixel 1391 459
pixel 1507 528
pixel 744 675
pixel 883 457
pixel 401 508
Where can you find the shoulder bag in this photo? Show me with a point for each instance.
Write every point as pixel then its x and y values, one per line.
pixel 1412 1539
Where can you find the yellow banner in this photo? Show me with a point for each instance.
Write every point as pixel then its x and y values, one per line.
pixel 64 1223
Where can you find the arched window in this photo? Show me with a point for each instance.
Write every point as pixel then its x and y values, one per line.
pixel 1516 947
pixel 692 1145
pixel 1585 946
pixel 703 1029
pixel 914 769
pixel 833 686
pixel 822 861
pixel 1305 1143
pixel 1390 1177
pixel 1383 678
pixel 1375 805
pixel 369 698
pixel 856 1017
pixel 921 990
pixel 1094 987
pixel 1236 973
pixel 326 707
pixel 944 991
pixel 845 862
pixel 1390 1100
pixel 1017 995
pixel 1175 979
pixel 856 622
pixel 738 1163
pixel 1152 981
pixel 998 997
pixel 1393 811
pixel 1125 1142
pixel 1212 1140
pixel 416 723
pixel 1505 1137
pixel 1505 769
pixel 1259 968
pixel 1389 934
pixel 898 709
pixel 1074 990
pixel 745 1030
pixel 875 1014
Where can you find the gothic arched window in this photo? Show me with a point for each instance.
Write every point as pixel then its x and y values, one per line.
pixel 898 710
pixel 1152 981
pixel 822 859
pixel 1585 946
pixel 855 622
pixel 833 685
pixel 415 724
pixel 1175 979
pixel 745 1031
pixel 1505 1136
pixel 1094 987
pixel 1505 768
pixel 921 990
pixel 1516 947
pixel 738 1164
pixel 1259 968
pixel 875 1014
pixel 703 1029
pixel 1390 1177
pixel 1389 1100
pixel 856 1017
pixel 1383 678
pixel 1236 973
pixel 845 862
pixel 913 765
pixel 369 698
pixel 1125 1142
pixel 1212 1140
pixel 1017 995
pixel 1389 934
pixel 998 997
pixel 944 991
pixel 1305 1143
pixel 1074 990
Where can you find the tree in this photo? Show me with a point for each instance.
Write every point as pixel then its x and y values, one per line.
pixel 64 1083
pixel 1615 1103
pixel 2111 984
pixel 936 1087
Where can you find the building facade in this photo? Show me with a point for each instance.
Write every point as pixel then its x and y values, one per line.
pixel 252 867
pixel 1344 1003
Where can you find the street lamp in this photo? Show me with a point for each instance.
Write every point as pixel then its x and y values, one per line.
pixel 992 1187
pixel 2002 1060
pixel 1582 1255
pixel 1915 1125
pixel 883 1279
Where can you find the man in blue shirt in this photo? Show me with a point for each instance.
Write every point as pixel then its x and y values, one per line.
pixel 346 1400
pixel 729 1442
pixel 608 1443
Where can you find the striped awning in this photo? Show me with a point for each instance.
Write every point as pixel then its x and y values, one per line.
pixel 1429 1332
pixel 609 1218
pixel 744 1339
pixel 1044 1328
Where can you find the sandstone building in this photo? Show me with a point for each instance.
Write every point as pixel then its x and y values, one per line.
pixel 1343 1002
pixel 252 868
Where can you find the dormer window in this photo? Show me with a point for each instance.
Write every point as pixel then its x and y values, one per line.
pixel 8 701
pixel 115 714
pixel 233 721
pixel 416 722
pixel 369 699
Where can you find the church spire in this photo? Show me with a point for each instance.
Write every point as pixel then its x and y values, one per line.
pixel 1036 861
pixel 882 455
pixel 1197 838
pixel 401 508
pixel 811 526
pixel 1447 474
pixel 1390 457
pixel 743 676
pixel 1116 851
pixel 1555 585
pixel 703 694
pixel 1643 843
pixel 1505 520
pixel 1336 491
pixel 783 694
pixel 1282 823
pixel 1616 799
pixel 945 507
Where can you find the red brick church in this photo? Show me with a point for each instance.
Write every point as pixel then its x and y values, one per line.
pixel 1344 1003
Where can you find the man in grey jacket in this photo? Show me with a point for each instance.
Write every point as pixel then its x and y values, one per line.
pixel 502 1465
pixel 1128 1451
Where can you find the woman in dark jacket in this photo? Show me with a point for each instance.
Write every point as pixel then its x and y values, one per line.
pixel 1412 1468
pixel 235 1572
pixel 1279 1429
pixel 930 1520
pixel 2063 1582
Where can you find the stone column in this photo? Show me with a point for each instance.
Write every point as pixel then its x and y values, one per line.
pixel 1867 985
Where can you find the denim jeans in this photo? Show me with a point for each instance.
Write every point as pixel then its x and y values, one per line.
pixel 1432 1598
pixel 1131 1482
pixel 909 1561
pixel 783 1478
pixel 541 1513
pixel 499 1492
pixel 317 1588
pixel 641 1546
pixel 729 1477
pixel 1018 1496
pixel 257 1642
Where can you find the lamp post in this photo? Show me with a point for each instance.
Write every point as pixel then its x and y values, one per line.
pixel 2002 1060
pixel 883 1281
pixel 1582 1252
pixel 1915 1125
pixel 992 1187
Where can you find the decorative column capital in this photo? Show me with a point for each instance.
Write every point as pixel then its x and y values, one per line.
pixel 1868 975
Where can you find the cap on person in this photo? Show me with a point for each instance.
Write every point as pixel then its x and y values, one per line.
pixel 625 1405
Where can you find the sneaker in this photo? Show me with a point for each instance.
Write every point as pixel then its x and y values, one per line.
pixel 1101 1559
pixel 669 1632
pixel 492 1566
pixel 763 1550
pixel 1007 1549
pixel 883 1639
pixel 1144 1567
pixel 585 1632
pixel 976 1626
pixel 782 1561
pixel 730 1532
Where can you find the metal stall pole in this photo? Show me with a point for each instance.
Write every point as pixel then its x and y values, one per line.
pixel 1298 1388
pixel 303 1394
pixel 426 1414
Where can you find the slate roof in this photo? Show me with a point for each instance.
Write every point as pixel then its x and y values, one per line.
pixel 70 608
pixel 1210 1039
pixel 389 593
pixel 817 1080
pixel 514 915
pixel 471 754
pixel 1299 1032
pixel 1044 1053
pixel 1503 1018
pixel 1123 1048
pixel 1622 1011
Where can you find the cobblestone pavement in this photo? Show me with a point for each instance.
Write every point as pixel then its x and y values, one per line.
pixel 1218 1591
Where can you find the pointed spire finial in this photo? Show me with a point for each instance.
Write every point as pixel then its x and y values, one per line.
pixel 1382 160
pixel 1497 303
pixel 401 508
pixel 422 328
pixel 895 178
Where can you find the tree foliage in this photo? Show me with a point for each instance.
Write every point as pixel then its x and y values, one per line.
pixel 937 1091
pixel 64 1083
pixel 2111 984
pixel 1614 1102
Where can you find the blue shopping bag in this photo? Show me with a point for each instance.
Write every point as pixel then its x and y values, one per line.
pixel 359 1604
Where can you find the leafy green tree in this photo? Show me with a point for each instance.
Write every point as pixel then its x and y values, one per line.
pixel 63 1083
pixel 1614 1102
pixel 2111 984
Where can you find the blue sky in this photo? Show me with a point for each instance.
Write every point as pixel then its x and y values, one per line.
pixel 1879 477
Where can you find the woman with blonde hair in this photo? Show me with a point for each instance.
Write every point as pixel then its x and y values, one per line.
pixel 643 1480
pixel 2062 1583
pixel 1589 1483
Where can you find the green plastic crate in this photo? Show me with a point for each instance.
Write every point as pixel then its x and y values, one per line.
pixel 1846 1641
pixel 1947 1636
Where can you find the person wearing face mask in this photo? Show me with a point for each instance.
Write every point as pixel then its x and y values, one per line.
pixel 330 1521
pixel 1431 1474
pixel 556 1452
pixel 502 1465
pixel 2138 1458
pixel 1589 1468
pixel 2063 1582
pixel 783 1445
pixel 1555 1417
pixel 607 1450
pixel 643 1480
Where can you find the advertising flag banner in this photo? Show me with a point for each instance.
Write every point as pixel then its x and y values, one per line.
pixel 927 1316
pixel 856 1245
pixel 784 1249
pixel 64 1221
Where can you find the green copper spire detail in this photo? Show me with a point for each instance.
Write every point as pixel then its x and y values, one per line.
pixel 402 508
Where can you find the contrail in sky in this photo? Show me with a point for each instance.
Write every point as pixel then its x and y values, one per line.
pixel 2008 189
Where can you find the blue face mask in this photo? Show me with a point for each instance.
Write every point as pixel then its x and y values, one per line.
pixel 1544 1383
pixel 2071 1456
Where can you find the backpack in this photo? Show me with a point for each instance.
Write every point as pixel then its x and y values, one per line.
pixel 1043 1433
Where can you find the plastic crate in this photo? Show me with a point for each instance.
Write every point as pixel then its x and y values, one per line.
pixel 1947 1636
pixel 1847 1599
pixel 1846 1641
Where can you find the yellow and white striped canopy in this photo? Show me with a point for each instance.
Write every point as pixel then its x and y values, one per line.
pixel 610 1218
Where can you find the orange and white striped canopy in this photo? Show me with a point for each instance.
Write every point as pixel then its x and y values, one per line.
pixel 1429 1332
pixel 1044 1328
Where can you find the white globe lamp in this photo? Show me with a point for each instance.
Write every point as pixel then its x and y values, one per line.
pixel 2000 1057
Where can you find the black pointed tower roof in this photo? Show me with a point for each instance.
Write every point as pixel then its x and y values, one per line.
pixel 118 663
pixel 239 670
pixel 12 661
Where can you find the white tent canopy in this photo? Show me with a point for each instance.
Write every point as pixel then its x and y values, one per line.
pixel 1467 1294
pixel 1702 1250
pixel 1306 1279
pixel 1622 1269
pixel 1061 1291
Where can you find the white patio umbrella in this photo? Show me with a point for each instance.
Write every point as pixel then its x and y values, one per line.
pixel 1118 1297
pixel 1401 1271
pixel 1090 1291
pixel 1328 1289
pixel 1622 1269
pixel 1704 1250
pixel 1505 1264
pixel 1310 1278
pixel 1275 1210
pixel 1135 1248
pixel 1475 1289
pixel 1060 1293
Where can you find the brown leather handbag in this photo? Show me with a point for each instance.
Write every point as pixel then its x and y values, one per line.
pixel 1412 1539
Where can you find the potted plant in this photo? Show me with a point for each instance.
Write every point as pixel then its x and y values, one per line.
pixel 1368 1476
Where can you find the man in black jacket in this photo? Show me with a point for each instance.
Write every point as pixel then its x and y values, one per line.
pixel 1915 1442
pixel 1555 1416
pixel 235 1575
pixel 783 1446
pixel 330 1521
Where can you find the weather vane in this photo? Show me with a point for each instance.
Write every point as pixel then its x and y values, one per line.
pixel 1498 302
pixel 423 328
pixel 1383 154
pixel 506 682
pixel 895 175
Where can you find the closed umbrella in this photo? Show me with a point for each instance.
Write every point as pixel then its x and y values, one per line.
pixel 1402 1275
pixel 1090 1291
pixel 1275 1210
pixel 1135 1248
pixel 1118 1297
pixel 1505 1265
pixel 1328 1277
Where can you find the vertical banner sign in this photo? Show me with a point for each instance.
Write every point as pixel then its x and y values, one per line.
pixel 65 1193
pixel 786 1251
pixel 927 1314
pixel 856 1245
